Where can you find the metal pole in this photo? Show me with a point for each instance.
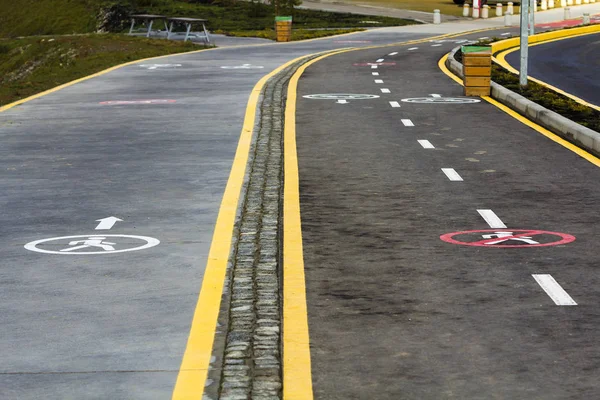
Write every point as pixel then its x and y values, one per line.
pixel 524 42
pixel 532 6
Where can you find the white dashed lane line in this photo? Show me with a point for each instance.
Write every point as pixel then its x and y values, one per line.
pixel 492 219
pixel 384 90
pixel 554 290
pixel 375 73
pixel 413 48
pixel 452 174
pixel 407 122
pixel 394 104
pixel 373 66
pixel 426 144
pixel 483 38
pixel 505 34
pixel 378 80
pixel 393 54
pixel 436 45
pixel 380 60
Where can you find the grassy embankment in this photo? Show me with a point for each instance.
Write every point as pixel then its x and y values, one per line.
pixel 33 64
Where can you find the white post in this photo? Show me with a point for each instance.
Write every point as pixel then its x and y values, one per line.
pixel 437 18
pixel 567 13
pixel 550 3
pixel 578 2
pixel 532 10
pixel 475 12
pixel 509 7
pixel 563 3
pixel 586 1
pixel 586 18
pixel 524 43
pixel 569 2
pixel 508 19
pixel 544 5
pixel 499 10
pixel 465 10
pixel 485 12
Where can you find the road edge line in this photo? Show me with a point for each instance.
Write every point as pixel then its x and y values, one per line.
pixel 196 358
pixel 550 135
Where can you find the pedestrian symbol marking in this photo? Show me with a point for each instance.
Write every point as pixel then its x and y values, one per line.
pixel 92 241
pixel 341 98
pixel 509 238
pixel 92 244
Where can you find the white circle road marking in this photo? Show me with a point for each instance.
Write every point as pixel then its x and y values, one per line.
pixel 447 100
pixel 340 96
pixel 153 101
pixel 150 242
pixel 243 66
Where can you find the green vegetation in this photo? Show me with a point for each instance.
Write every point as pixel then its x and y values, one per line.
pixel 56 17
pixel 32 65
pixel 544 96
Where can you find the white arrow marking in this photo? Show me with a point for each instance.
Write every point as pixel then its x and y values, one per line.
pixel 107 223
pixel 342 102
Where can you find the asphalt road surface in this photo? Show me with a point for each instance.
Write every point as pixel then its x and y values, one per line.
pixel 570 65
pixel 394 311
pixel 150 144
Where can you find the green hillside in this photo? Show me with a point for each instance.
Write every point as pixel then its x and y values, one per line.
pixel 57 17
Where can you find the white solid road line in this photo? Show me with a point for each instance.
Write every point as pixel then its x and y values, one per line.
pixel 380 60
pixel 375 73
pixel 393 54
pixel 394 104
pixel 407 122
pixel 378 81
pixel 413 48
pixel 373 66
pixel 385 90
pixel 452 174
pixel 554 290
pixel 426 144
pixel 491 218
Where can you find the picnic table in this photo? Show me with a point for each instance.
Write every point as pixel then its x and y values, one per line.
pixel 188 23
pixel 149 20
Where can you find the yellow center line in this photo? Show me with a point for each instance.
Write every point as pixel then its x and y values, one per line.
pixel 552 136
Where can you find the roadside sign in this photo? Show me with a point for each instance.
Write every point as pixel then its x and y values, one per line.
pixel 508 238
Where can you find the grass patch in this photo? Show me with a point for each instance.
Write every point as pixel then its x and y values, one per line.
pixel 545 97
pixel 55 17
pixel 32 65
pixel 297 34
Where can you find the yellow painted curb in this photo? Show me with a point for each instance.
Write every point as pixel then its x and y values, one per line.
pixel 500 59
pixel 555 138
pixel 194 366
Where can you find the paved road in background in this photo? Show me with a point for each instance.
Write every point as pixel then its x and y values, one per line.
pixel 394 311
pixel 115 324
pixel 570 65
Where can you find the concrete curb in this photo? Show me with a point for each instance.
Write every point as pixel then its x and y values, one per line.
pixel 564 127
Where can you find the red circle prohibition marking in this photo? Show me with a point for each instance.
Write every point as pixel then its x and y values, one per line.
pixel 517 233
